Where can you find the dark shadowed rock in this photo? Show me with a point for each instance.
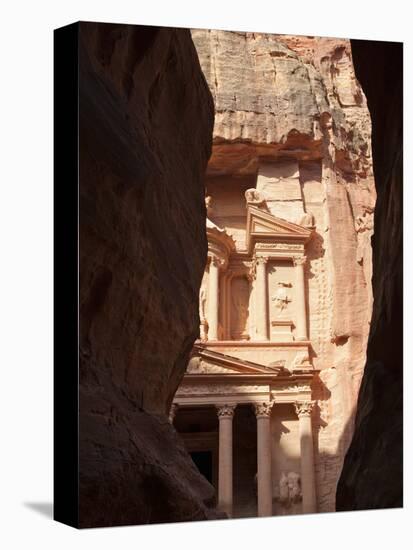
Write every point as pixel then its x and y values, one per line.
pixel 372 475
pixel 146 118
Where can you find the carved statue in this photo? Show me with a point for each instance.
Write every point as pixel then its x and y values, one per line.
pixel 202 303
pixel 281 297
pixel 242 314
pixel 209 223
pixel 289 492
pixel 203 329
pixel 239 308
pixel 283 489
pixel 252 196
pixel 294 487
pixel 307 221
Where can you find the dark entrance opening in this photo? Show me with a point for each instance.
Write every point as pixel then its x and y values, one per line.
pixel 245 462
pixel 203 461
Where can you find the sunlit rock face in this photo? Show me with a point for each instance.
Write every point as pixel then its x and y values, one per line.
pixel 292 122
pixel 372 475
pixel 146 118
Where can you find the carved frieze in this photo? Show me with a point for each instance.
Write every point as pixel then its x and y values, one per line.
pixel 220 389
pixel 279 246
pixel 294 388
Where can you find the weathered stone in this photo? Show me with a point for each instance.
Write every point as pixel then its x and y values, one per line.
pixel 146 119
pixel 292 121
pixel 372 475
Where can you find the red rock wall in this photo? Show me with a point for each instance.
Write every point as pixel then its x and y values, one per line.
pixel 372 475
pixel 294 103
pixel 146 118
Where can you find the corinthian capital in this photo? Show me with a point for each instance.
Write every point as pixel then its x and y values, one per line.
pixel 216 261
pixel 304 408
pixel 225 411
pixel 261 260
pixel 299 260
pixel 263 409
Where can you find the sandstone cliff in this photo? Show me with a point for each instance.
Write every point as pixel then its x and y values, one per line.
pixel 290 110
pixel 372 475
pixel 146 118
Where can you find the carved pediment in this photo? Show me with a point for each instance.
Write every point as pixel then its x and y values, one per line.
pixel 206 361
pixel 260 227
pixel 197 365
pixel 263 224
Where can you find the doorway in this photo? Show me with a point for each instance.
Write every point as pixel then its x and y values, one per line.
pixel 203 461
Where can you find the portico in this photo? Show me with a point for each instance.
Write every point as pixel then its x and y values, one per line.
pixel 221 383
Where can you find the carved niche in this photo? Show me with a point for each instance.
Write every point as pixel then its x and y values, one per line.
pixel 240 296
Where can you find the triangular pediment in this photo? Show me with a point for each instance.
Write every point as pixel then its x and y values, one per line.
pixel 206 361
pixel 198 365
pixel 262 223
pixel 261 226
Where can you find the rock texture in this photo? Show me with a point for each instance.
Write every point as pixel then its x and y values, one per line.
pixel 146 118
pixel 292 121
pixel 372 475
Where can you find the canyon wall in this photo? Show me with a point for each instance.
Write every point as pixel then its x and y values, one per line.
pixel 146 118
pixel 372 475
pixel 292 121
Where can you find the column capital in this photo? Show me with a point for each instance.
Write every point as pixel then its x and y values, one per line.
pixel 215 261
pixel 261 260
pixel 299 260
pixel 304 408
pixel 263 409
pixel 225 411
pixel 172 412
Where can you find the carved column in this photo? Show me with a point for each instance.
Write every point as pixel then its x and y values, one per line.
pixel 227 306
pixel 303 410
pixel 225 483
pixel 213 298
pixel 172 412
pixel 264 478
pixel 301 309
pixel 261 297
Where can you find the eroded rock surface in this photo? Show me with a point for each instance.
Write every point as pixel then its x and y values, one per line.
pixel 372 475
pixel 146 119
pixel 292 121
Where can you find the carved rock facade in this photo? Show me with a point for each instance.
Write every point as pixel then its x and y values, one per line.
pixel 291 187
